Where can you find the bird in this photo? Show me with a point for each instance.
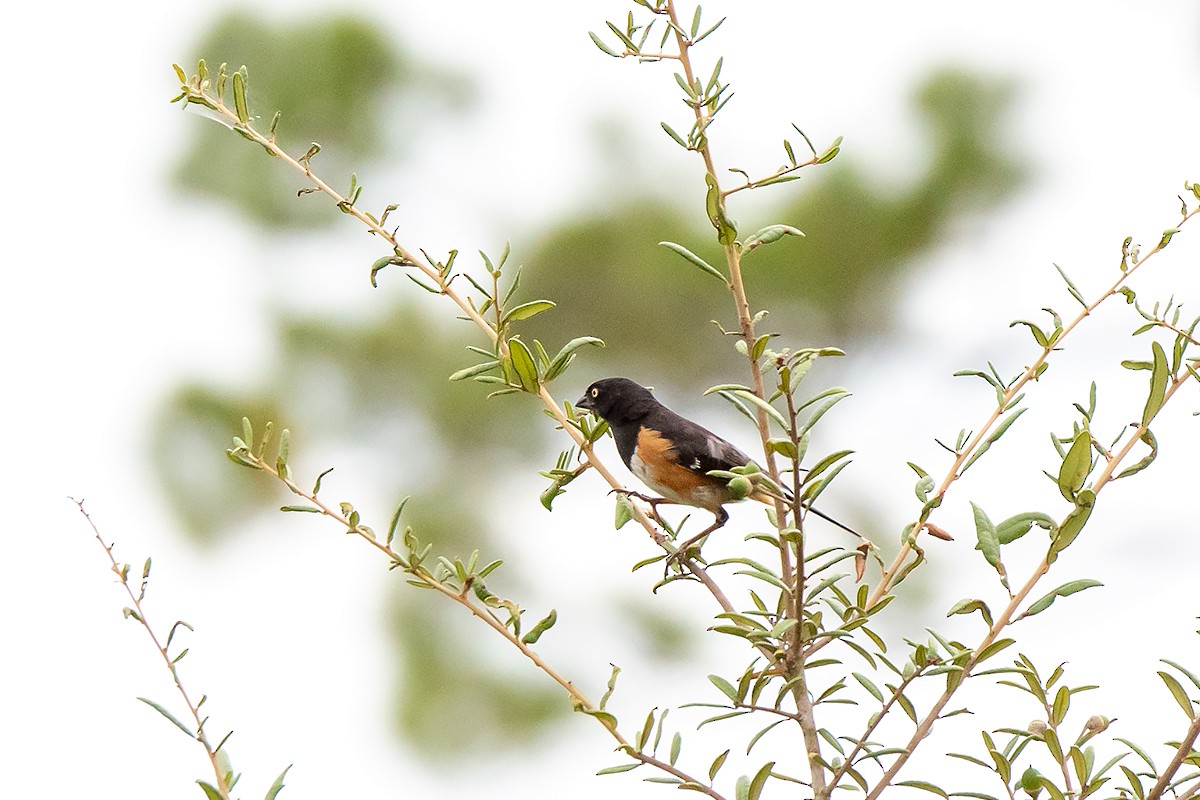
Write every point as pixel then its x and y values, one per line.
pixel 672 455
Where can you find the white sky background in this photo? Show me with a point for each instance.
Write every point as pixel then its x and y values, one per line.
pixel 115 288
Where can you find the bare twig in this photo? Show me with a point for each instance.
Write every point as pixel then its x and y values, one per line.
pixel 138 612
pixel 462 596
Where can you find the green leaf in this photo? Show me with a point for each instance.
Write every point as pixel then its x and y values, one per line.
pixel 1195 680
pixel 993 649
pixel 644 735
pixel 974 373
pixel 695 260
pixel 622 513
pixel 1142 754
pixel 239 97
pixel 395 522
pixel 1158 384
pixel 717 763
pixel 612 686
pixel 561 361
pixel 760 734
pixel 169 716
pixel 760 779
pixel 210 792
pixel 522 362
pixel 1071 287
pixel 835 394
pixel 525 311
pixel 619 768
pixel 926 786
pixel 422 284
pixel 1177 692
pixel 606 718
pixel 544 625
pixel 725 686
pixel 1039 335
pixel 774 179
pixel 305 509
pixel 726 232
pixel 671 132
pixel 1062 704
pixel 549 493
pixel 992 439
pixel 317 484
pixel 923 487
pixel 1073 523
pixel 277 786
pixel 760 345
pixel 869 686
pixel 1135 783
pixel 1018 525
pixel 609 52
pixel 831 151
pixel 1065 590
pixel 477 369
pixel 688 89
pixel 784 447
pixel 701 37
pixel 968 606
pixel 380 263
pixel 769 235
pixel 985 531
pixel 1076 465
pixel 753 399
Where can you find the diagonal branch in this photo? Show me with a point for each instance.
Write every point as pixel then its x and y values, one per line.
pixel 223 785
pixel 229 117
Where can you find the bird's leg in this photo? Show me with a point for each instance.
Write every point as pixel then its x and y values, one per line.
pixel 653 502
pixel 721 516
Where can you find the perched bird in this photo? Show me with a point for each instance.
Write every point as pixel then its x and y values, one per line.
pixel 671 454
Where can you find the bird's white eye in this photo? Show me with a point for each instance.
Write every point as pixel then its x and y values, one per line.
pixel 595 392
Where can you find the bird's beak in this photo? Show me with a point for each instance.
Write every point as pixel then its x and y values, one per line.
pixel 585 403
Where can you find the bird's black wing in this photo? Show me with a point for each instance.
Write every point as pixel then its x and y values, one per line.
pixel 701 450
pixel 696 447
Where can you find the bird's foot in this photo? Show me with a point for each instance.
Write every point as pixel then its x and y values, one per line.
pixel 653 502
pixel 689 550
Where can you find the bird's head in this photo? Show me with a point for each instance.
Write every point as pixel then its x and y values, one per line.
pixel 617 399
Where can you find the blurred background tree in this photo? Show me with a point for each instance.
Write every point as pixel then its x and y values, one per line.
pixel 380 384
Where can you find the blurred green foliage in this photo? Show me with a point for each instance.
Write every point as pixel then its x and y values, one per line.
pixel 447 699
pixel 380 387
pixel 837 285
pixel 338 81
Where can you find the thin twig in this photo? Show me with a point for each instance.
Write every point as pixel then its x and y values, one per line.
pixel 461 596
pixel 1031 372
pixel 222 785
pixel 410 258
pixel 794 668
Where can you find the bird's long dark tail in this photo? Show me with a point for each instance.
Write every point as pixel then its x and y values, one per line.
pixel 769 497
pixel 833 521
